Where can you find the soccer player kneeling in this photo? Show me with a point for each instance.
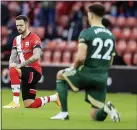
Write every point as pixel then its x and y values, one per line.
pixel 27 50
pixel 90 69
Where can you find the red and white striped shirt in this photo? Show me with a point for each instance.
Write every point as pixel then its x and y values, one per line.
pixel 25 49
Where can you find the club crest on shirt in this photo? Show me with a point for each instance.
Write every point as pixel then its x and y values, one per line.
pixel 26 44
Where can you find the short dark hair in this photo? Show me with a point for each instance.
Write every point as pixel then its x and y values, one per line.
pixel 98 9
pixel 22 17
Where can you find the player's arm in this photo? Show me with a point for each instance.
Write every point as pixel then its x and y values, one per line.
pixel 81 55
pixel 14 54
pixel 82 50
pixel 112 58
pixel 36 56
pixel 13 57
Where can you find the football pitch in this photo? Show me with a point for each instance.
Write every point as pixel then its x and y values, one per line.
pixel 23 118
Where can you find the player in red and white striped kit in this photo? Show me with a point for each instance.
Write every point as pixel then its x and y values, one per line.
pixel 27 50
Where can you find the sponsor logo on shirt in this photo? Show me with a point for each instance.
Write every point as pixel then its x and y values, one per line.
pixel 26 51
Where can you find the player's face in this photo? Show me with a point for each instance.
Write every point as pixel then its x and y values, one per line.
pixel 21 26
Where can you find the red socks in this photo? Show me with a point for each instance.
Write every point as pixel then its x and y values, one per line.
pixel 15 84
pixel 14 76
pixel 36 104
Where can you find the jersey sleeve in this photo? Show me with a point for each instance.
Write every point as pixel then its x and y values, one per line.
pixel 36 42
pixel 83 37
pixel 14 44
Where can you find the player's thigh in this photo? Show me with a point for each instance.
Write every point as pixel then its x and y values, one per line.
pixel 96 97
pixel 30 75
pixel 28 90
pixel 73 79
pixel 59 74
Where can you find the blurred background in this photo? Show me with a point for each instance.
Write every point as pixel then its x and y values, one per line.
pixel 59 23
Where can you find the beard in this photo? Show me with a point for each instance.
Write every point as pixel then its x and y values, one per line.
pixel 21 31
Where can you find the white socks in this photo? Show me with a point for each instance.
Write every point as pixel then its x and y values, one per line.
pixel 44 100
pixel 16 99
pixel 47 99
pixel 53 98
pixel 16 93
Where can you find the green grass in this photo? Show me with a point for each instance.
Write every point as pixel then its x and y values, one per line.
pixel 24 118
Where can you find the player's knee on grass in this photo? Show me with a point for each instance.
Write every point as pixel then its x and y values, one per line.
pixel 59 74
pixel 28 103
pixel 98 114
pixel 93 113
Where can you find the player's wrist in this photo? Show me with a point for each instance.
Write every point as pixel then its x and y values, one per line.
pixel 12 64
pixel 23 64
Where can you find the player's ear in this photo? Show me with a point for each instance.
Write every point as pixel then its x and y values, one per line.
pixel 27 24
pixel 90 15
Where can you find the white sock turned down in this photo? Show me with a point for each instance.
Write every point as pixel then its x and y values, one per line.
pixel 47 99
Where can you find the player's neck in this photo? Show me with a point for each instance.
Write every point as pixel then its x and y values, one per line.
pixel 97 23
pixel 25 34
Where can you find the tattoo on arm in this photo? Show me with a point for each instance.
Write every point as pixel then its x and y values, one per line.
pixel 36 56
pixel 13 57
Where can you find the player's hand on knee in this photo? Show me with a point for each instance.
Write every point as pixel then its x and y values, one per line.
pixel 12 65
pixel 18 66
pixel 68 69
